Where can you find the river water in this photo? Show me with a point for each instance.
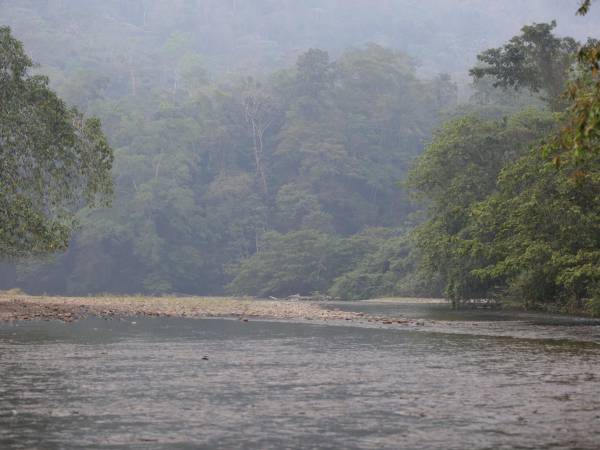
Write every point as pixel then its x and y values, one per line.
pixel 192 384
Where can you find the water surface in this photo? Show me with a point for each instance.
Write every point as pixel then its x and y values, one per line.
pixel 183 383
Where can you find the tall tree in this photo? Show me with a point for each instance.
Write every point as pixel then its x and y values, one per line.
pixel 536 60
pixel 52 160
pixel 579 140
pixel 456 172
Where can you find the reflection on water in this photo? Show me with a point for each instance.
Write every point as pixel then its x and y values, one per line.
pixel 114 384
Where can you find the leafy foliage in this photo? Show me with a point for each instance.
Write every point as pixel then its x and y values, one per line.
pixel 51 158
pixel 456 172
pixel 297 262
pixel 389 269
pixel 540 235
pixel 535 60
pixel 522 225
pixel 584 7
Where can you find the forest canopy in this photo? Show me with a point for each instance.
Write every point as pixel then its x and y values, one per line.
pixel 202 181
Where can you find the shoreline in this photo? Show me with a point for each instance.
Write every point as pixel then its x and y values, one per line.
pixel 25 308
pixel 68 309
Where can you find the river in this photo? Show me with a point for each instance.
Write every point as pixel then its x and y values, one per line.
pixel 480 380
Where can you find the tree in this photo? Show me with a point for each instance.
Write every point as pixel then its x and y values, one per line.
pixel 579 140
pixel 538 237
pixel 294 263
pixel 539 232
pixel 387 267
pixel 566 74
pixel 52 160
pixel 260 115
pixel 456 172
pixel 313 72
pixel 535 60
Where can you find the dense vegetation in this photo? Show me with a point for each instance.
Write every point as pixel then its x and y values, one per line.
pixel 202 180
pixel 514 203
pixel 258 168
pixel 52 159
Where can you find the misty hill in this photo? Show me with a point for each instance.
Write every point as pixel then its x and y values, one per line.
pixel 138 43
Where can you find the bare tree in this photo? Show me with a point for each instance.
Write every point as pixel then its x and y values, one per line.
pixel 260 114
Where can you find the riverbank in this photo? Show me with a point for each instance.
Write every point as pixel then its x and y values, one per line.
pixel 17 307
pixel 425 315
pixel 68 309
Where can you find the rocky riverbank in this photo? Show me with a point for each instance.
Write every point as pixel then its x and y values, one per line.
pixel 68 309
pixel 16 307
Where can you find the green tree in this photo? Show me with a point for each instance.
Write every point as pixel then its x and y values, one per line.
pixel 456 172
pixel 389 267
pixel 578 142
pixel 296 263
pixel 53 161
pixel 539 237
pixel 535 60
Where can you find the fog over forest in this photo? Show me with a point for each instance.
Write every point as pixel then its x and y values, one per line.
pixel 268 224
pixel 275 147
pixel 234 37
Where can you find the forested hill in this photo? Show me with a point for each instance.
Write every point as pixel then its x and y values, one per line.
pixel 210 174
pixel 213 165
pixel 132 44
